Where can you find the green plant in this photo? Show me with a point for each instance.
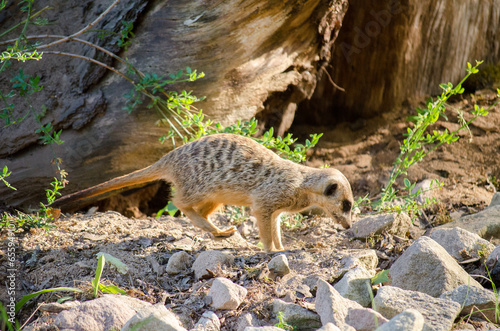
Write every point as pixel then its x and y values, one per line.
pixel 282 323
pixel 6 173
pixel 287 147
pixel 293 221
pixel 418 143
pixel 96 281
pixel 170 208
pixel 25 298
pixel 237 215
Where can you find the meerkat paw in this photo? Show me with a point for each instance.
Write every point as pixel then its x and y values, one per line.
pixel 225 233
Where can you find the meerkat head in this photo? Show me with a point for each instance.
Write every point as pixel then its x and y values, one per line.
pixel 334 195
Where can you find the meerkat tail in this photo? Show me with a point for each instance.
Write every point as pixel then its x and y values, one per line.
pixel 135 178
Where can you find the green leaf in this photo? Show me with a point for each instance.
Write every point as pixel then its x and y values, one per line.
pixel 119 265
pixel 25 298
pixel 111 289
pixel 380 277
pixel 407 183
pixel 98 273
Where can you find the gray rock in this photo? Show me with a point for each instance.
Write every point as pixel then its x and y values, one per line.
pixel 279 265
pixel 493 259
pixel 331 306
pixel 351 258
pixel 225 294
pixel 495 200
pixel 364 319
pixel 485 223
pixel 439 314
pixel 55 307
pixel 329 327
pixel 210 260
pixel 247 320
pixel 296 315
pixel 153 318
pixel 263 328
pixel 209 321
pixel 408 320
pixel 473 299
pixel 426 267
pixel 462 244
pixel 104 313
pixel 355 285
pixel 394 223
pixel 179 262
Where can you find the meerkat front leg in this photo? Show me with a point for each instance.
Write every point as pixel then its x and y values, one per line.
pixel 266 225
pixel 276 231
pixel 204 223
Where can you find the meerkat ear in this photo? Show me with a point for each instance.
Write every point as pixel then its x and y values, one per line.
pixel 330 189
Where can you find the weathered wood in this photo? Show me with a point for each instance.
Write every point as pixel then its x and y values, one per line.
pixel 393 53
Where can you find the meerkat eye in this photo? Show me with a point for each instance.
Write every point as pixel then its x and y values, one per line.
pixel 346 206
pixel 330 189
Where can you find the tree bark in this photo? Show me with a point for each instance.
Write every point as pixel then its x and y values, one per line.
pixel 394 53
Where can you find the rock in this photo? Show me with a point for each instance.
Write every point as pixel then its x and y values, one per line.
pixel 351 258
pixel 55 307
pixel 485 223
pixel 425 190
pixel 364 319
pixel 209 321
pixel 394 223
pixel 329 327
pixel 279 265
pixel 494 258
pixel 408 320
pixel 355 285
pixel 495 200
pixel 153 318
pixel 247 320
pixel 473 299
pixel 426 267
pixel 296 315
pixel 493 264
pixel 462 244
pixel 179 262
pixel 263 328
pixel 331 306
pixel 104 313
pixel 210 260
pixel 439 314
pixel 226 294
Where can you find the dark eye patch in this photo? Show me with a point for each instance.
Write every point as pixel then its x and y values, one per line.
pixel 346 206
pixel 330 189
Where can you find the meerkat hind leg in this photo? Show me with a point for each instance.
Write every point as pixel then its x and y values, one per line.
pixel 208 208
pixel 204 223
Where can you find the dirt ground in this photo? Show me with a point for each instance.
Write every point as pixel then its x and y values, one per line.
pixel 363 151
pixel 469 168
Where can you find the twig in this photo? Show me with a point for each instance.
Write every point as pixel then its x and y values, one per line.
pixel 31 315
pixel 91 60
pixel 331 80
pixel 50 36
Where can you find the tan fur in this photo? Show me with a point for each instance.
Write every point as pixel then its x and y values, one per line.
pixel 233 170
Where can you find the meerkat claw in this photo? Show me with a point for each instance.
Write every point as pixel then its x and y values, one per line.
pixel 225 233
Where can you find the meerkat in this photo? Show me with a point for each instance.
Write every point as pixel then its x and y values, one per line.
pixel 228 169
